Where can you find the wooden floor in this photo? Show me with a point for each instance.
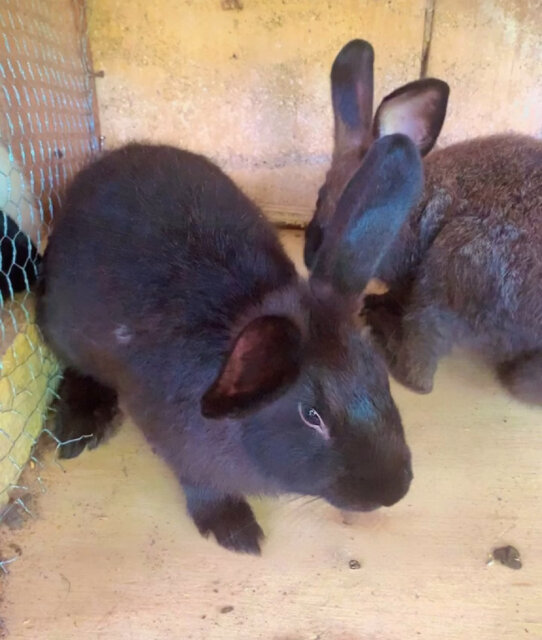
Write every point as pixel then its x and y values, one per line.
pixel 111 553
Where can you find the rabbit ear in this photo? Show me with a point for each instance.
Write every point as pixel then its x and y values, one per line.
pixel 417 109
pixel 352 94
pixel 369 216
pixel 264 361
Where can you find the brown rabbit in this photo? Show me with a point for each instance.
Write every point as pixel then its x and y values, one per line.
pixel 467 264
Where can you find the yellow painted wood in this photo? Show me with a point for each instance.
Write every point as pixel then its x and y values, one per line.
pixel 27 378
pixel 490 52
pixel 250 87
pixel 114 556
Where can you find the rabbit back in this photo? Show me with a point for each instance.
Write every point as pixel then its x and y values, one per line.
pixel 499 176
pixel 154 243
pixel 480 233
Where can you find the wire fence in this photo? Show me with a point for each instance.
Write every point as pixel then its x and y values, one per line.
pixel 47 133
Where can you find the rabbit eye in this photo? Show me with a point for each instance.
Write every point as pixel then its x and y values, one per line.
pixel 313 419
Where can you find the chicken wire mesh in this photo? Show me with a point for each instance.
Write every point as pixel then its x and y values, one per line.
pixel 47 133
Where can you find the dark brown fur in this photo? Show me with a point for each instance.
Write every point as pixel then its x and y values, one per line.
pixel 164 286
pixel 467 266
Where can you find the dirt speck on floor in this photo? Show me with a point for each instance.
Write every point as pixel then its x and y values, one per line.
pixel 227 609
pixel 17 511
pixel 508 556
pixel 232 5
pixel 354 564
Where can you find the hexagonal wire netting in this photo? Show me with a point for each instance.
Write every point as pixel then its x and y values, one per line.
pixel 47 132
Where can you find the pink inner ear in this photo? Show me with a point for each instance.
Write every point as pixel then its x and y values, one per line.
pixel 264 360
pixel 411 115
pixel 414 129
pixel 233 380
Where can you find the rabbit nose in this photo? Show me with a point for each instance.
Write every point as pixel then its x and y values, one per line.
pixel 398 488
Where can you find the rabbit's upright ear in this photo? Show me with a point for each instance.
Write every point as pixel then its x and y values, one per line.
pixel 263 362
pixel 417 109
pixel 369 216
pixel 352 95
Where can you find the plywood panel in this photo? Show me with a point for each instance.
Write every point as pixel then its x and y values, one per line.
pixel 490 51
pixel 111 554
pixel 248 87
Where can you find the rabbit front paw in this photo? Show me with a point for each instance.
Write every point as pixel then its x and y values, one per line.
pixel 385 328
pixel 408 353
pixel 229 519
pixel 411 372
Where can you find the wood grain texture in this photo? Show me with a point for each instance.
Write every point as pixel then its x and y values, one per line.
pixel 111 553
pixel 249 87
pixel 490 52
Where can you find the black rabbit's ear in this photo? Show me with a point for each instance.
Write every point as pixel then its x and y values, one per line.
pixel 369 216
pixel 264 361
pixel 352 95
pixel 417 109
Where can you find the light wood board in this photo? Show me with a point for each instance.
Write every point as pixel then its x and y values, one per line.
pixel 111 553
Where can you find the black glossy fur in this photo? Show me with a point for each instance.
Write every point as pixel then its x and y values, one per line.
pixel 19 259
pixel 467 266
pixel 165 285
pixel 84 413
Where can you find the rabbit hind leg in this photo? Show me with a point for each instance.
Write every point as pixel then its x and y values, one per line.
pixel 84 413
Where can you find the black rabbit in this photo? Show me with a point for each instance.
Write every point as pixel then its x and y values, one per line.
pixel 166 287
pixel 19 259
pixel 467 265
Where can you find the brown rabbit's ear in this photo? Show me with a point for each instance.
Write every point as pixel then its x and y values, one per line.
pixel 352 95
pixel 263 362
pixel 369 216
pixel 417 110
